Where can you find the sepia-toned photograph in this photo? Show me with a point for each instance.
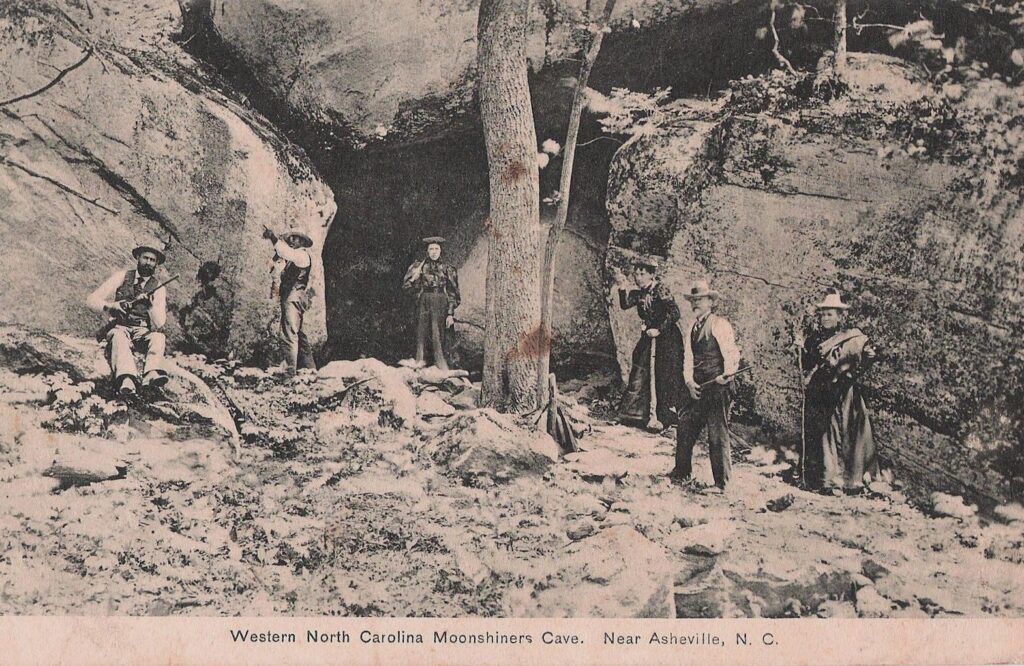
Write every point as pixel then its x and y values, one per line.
pixel 592 309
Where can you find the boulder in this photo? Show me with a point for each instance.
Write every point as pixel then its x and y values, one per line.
pixel 870 603
pixel 391 382
pixel 780 503
pixel 394 67
pixel 185 400
pixel 749 198
pixel 430 404
pixel 197 404
pixel 1004 542
pixel 837 609
pixel 136 142
pixel 398 77
pixel 765 586
pixel 580 529
pixel 488 444
pixel 468 399
pixel 874 570
pixel 708 539
pixel 403 70
pixel 951 506
pixel 617 573
pixel 85 465
pixel 1010 513
pixel 27 350
pixel 437 376
pixel 586 505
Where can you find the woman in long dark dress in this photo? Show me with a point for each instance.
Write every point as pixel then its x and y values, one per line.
pixel 837 428
pixel 660 315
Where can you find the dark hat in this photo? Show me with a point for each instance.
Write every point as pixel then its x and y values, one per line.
pixel 433 239
pixel 701 289
pixel 307 241
pixel 153 246
pixel 208 272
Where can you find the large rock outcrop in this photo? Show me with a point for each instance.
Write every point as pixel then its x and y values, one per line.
pixel 398 70
pixel 382 96
pixel 776 207
pixel 110 134
pixel 377 68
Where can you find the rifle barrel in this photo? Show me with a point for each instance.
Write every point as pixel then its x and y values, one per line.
pixel 729 376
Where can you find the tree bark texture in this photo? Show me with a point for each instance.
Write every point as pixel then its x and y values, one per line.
pixel 513 340
pixel 547 282
pixel 839 40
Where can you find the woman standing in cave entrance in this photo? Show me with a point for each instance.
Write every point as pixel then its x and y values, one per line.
pixel 837 430
pixel 437 295
pixel 660 341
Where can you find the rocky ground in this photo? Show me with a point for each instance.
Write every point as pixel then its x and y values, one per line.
pixel 364 489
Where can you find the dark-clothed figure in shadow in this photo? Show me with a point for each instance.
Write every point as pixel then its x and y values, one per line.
pixel 840 448
pixel 436 285
pixel 661 339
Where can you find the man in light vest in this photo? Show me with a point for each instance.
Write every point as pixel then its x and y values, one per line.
pixel 138 314
pixel 710 357
pixel 293 247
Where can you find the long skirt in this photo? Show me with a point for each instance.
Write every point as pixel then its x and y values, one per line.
pixel 635 406
pixel 840 448
pixel 431 312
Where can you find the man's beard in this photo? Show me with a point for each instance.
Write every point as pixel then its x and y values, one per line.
pixel 145 271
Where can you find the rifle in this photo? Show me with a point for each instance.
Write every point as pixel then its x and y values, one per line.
pixel 116 319
pixel 747 368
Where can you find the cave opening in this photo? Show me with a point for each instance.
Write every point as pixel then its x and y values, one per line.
pixel 394 192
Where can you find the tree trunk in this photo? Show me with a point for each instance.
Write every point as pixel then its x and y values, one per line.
pixel 547 282
pixel 513 340
pixel 839 40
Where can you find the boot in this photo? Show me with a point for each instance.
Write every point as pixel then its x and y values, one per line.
pixel 127 388
pixel 155 379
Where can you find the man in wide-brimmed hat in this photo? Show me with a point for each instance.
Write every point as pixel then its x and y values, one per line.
pixel 710 357
pixel 139 312
pixel 296 295
pixel 660 342
pixel 837 429
pixel 436 285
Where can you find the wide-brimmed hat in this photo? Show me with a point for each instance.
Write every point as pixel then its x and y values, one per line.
pixel 156 247
pixel 307 241
pixel 701 289
pixel 433 239
pixel 832 302
pixel 647 261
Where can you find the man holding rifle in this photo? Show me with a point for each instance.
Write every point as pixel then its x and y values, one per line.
pixel 710 360
pixel 292 246
pixel 137 305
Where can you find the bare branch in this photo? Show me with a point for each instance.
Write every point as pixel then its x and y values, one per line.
pixel 57 183
pixel 775 46
pixel 64 72
pixel 587 143
pixel 547 284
